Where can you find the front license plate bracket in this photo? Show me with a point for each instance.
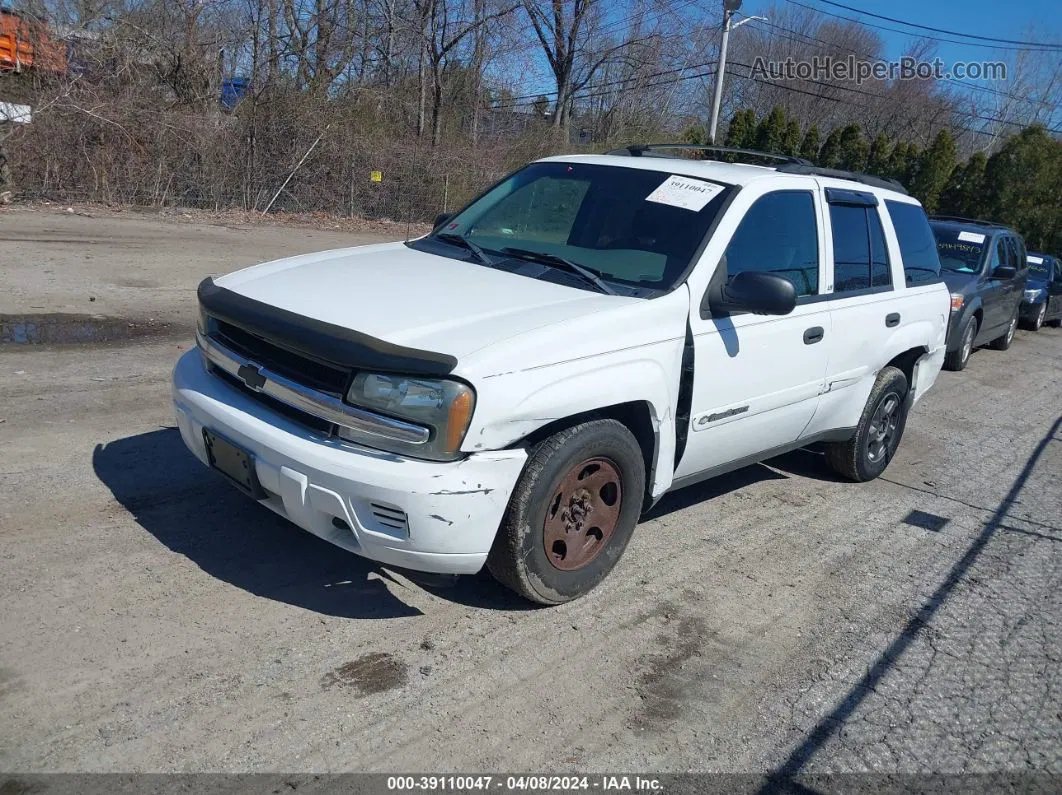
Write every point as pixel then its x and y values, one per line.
pixel 233 462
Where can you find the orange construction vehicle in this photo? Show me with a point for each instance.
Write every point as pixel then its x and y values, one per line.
pixel 26 44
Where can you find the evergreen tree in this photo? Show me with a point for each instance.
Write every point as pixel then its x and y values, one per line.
pixel 853 148
pixel 965 193
pixel 1024 186
pixel 830 155
pixel 791 139
pixel 742 129
pixel 933 171
pixel 694 134
pixel 770 133
pixel 879 156
pixel 897 168
pixel 809 147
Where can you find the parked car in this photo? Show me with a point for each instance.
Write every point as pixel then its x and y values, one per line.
pixel 517 387
pixel 1042 300
pixel 983 264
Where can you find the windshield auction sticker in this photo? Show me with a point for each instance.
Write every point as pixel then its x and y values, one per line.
pixel 684 192
pixel 971 237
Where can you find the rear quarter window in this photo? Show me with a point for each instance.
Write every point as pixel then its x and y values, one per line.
pixel 918 246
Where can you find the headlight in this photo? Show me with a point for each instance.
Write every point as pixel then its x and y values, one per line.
pixel 957 300
pixel 1032 296
pixel 442 406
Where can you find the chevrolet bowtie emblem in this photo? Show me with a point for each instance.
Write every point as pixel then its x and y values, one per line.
pixel 250 375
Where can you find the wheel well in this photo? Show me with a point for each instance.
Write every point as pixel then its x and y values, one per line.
pixel 636 416
pixel 906 361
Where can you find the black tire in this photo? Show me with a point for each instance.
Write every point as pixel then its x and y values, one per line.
pixel 1003 343
pixel 519 560
pixel 1038 320
pixel 1054 323
pixel 957 359
pixel 856 459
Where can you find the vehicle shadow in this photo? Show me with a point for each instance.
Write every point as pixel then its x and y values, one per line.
pixel 807 462
pixel 786 777
pixel 195 513
pixel 706 490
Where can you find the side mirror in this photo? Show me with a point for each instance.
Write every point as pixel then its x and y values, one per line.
pixel 441 219
pixel 755 292
pixel 1005 272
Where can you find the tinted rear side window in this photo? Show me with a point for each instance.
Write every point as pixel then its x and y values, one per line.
pixel 921 262
pixel 859 258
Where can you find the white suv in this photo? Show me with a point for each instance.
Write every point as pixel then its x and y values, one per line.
pixel 517 387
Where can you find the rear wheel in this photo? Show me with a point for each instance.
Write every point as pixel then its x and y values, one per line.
pixel 1002 343
pixel 865 456
pixel 957 359
pixel 572 513
pixel 1054 323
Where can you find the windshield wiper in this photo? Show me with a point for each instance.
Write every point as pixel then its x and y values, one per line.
pixel 562 264
pixel 462 241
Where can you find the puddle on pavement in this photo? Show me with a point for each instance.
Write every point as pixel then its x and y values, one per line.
pixel 64 329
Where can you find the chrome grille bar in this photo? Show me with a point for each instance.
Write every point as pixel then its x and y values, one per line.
pixel 324 406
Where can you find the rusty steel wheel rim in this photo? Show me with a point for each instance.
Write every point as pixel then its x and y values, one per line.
pixel 582 514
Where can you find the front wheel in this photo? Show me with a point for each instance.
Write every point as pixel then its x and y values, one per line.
pixel 1038 321
pixel 571 514
pixel 1003 343
pixel 957 359
pixel 865 456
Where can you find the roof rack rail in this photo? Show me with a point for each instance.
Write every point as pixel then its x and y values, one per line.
pixel 784 163
pixel 838 173
pixel 659 150
pixel 963 220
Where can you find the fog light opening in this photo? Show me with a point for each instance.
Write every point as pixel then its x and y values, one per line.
pixel 340 524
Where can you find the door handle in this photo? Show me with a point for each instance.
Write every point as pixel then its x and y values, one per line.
pixel 813 335
pixel 892 319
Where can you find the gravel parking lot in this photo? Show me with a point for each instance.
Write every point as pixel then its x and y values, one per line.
pixel 153 619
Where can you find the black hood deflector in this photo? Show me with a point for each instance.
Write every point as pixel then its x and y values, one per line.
pixel 316 339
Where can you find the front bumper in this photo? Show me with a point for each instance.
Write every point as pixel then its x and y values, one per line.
pixel 423 515
pixel 1029 311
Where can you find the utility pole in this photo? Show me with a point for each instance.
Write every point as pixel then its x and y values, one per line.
pixel 730 7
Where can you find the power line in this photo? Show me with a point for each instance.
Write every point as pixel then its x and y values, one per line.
pixel 877 59
pixel 909 33
pixel 942 30
pixel 841 87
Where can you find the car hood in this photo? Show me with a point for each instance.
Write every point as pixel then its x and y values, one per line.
pixel 415 299
pixel 1035 283
pixel 959 282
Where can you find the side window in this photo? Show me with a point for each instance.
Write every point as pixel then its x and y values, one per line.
pixel 918 247
pixel 778 235
pixel 860 260
pixel 999 256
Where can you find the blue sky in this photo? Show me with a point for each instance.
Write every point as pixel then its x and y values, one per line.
pixel 1017 19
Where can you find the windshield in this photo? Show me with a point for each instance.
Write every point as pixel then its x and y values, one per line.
pixel 960 250
pixel 1039 267
pixel 629 226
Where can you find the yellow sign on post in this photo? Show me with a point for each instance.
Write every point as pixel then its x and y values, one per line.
pixel 376 176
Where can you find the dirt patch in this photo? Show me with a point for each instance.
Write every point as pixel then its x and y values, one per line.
pixel 670 672
pixel 371 673
pixel 69 329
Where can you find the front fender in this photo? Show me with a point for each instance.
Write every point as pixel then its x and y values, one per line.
pixel 535 398
pixel 958 320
